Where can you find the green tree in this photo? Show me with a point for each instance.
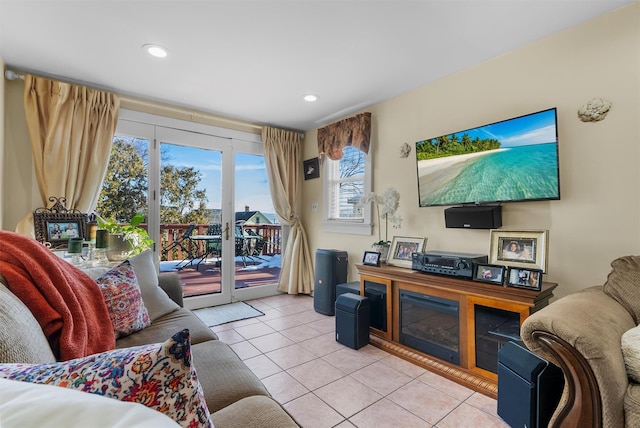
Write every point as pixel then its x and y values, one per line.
pixel 124 190
pixel 125 187
pixel 180 200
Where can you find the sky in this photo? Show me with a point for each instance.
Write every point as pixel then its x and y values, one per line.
pixel 536 128
pixel 251 185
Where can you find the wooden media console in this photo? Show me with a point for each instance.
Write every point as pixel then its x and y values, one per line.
pixel 475 320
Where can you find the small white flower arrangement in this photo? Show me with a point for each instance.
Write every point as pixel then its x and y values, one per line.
pixel 386 206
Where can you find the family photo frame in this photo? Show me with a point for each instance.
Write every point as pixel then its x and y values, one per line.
pixel 525 248
pixel 57 224
pixel 525 278
pixel 58 228
pixel 402 248
pixel 371 258
pixel 492 274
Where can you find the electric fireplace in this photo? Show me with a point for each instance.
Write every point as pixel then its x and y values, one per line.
pixel 430 324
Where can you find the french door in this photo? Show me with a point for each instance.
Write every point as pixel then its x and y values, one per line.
pixel 198 175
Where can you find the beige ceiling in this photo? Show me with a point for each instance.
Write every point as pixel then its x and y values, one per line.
pixel 254 60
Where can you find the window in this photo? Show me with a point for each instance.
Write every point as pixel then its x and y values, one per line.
pixel 345 181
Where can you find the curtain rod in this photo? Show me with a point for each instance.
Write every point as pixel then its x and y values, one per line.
pixel 134 101
pixel 12 75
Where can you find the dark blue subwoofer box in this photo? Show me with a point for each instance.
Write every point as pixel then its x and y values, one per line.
pixel 352 320
pixel 529 387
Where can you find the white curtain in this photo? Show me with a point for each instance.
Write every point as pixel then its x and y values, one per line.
pixel 71 128
pixel 283 161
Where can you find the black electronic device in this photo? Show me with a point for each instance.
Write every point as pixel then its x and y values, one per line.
pixel 529 387
pixel 513 160
pixel 331 270
pixel 447 263
pixel 352 320
pixel 473 217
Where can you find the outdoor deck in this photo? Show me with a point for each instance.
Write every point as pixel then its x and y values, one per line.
pixel 207 279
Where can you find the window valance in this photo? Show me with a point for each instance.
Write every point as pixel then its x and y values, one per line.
pixel 354 131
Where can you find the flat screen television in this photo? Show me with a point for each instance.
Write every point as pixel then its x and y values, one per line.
pixel 508 161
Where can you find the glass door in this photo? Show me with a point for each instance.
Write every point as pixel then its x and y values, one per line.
pixel 257 229
pixel 205 193
pixel 194 211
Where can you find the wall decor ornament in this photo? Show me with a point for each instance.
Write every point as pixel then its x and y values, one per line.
pixel 595 110
pixel 405 149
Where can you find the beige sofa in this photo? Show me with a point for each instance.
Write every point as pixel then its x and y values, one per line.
pixel 582 333
pixel 235 397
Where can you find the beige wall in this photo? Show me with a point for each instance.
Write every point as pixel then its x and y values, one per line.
pixel 20 193
pixel 598 217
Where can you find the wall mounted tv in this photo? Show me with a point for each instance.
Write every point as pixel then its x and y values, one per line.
pixel 507 161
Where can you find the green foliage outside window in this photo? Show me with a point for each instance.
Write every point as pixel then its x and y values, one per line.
pixel 125 187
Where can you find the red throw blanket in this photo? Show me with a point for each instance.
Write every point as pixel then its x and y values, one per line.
pixel 66 302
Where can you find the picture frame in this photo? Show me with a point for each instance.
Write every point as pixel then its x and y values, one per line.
pixel 489 273
pixel 311 168
pixel 54 226
pixel 519 248
pixel 524 278
pixel 371 258
pixel 57 228
pixel 402 247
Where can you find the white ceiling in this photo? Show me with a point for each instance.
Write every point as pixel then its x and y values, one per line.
pixel 254 60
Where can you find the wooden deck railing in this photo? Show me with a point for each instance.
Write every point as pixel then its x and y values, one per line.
pixel 174 247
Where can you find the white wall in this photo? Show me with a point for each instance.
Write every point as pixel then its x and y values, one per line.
pixel 598 217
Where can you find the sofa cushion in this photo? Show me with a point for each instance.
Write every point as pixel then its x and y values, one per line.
pixel 25 404
pixel 630 344
pixel 623 284
pixel 121 292
pixel 21 338
pixel 255 412
pixel 164 327
pixel 160 376
pixel 226 378
pixel 155 299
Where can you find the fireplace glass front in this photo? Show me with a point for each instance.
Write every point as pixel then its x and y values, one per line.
pixel 430 324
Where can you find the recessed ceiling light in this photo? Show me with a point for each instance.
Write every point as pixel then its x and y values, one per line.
pixel 155 50
pixel 310 98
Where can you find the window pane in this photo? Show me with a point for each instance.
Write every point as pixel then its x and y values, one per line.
pixel 347 185
pixel 352 163
pixel 125 186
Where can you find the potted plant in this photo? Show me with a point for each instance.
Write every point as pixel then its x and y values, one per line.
pixel 126 240
pixel 386 206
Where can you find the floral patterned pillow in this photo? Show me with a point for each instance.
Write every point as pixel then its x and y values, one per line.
pixel 160 376
pixel 122 295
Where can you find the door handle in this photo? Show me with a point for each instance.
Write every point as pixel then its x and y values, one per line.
pixel 226 231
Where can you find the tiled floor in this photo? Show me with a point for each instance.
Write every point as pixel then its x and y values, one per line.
pixel 324 384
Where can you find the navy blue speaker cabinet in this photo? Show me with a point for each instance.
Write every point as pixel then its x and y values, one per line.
pixel 352 320
pixel 331 270
pixel 529 387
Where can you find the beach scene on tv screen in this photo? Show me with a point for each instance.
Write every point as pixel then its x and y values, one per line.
pixel 512 160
